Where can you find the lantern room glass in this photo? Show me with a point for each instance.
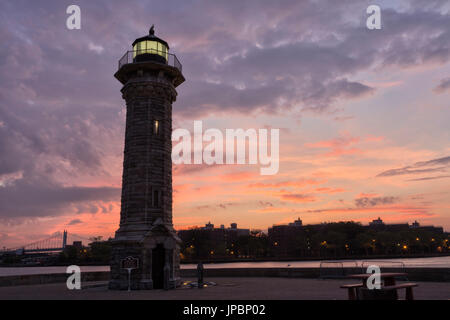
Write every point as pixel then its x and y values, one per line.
pixel 150 47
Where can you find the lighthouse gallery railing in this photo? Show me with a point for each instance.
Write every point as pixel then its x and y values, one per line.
pixel 171 59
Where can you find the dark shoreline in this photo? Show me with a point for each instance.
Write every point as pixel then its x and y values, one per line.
pixel 268 259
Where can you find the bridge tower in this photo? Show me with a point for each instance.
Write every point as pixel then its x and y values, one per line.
pixel 149 74
pixel 64 243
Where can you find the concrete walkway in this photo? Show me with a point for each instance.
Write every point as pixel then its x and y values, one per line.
pixel 226 289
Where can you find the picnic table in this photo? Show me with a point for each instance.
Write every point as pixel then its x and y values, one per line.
pixel 388 285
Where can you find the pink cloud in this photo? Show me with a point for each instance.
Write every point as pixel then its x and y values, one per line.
pixel 330 190
pixel 294 183
pixel 338 146
pixel 372 138
pixel 367 195
pixel 298 197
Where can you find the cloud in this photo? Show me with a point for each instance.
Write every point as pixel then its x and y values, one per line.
pixel 329 190
pixel 223 206
pixel 289 183
pixel 371 138
pixel 222 98
pixel 74 222
pixel 367 202
pixel 265 203
pixel 98 49
pixel 28 198
pixel 343 118
pixel 402 210
pixel 367 195
pixel 339 146
pixel 309 65
pixel 429 178
pixel 443 86
pixel 435 165
pixel 298 197
pixel 236 176
pixel 188 169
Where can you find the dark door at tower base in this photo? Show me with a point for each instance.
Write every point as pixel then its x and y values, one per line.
pixel 158 260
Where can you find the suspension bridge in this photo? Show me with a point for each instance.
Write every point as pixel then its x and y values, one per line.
pixel 55 243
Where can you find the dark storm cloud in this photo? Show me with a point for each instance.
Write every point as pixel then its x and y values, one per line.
pixel 429 178
pixel 366 202
pixel 223 206
pixel 443 86
pixel 31 199
pixel 435 165
pixel 312 51
pixel 224 98
pixel 59 105
pixel 74 222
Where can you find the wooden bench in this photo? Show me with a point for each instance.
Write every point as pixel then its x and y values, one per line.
pixel 351 289
pixel 408 286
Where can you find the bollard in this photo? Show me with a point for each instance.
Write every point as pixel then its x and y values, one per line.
pixel 200 275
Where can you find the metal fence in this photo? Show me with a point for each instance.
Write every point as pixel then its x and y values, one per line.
pixel 343 268
pixel 386 266
pixel 338 269
pixel 169 58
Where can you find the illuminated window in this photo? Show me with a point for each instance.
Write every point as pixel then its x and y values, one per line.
pixel 150 47
pixel 155 127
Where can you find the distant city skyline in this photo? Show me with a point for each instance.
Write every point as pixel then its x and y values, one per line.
pixel 299 222
pixel 363 114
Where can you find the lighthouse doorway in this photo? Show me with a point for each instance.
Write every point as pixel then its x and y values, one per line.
pixel 158 261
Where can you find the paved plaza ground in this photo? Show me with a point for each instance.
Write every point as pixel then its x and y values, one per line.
pixel 226 289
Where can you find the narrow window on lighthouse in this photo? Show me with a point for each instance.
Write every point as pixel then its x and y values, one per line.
pixel 155 127
pixel 156 198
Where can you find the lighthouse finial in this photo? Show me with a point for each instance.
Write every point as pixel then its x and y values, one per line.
pixel 152 30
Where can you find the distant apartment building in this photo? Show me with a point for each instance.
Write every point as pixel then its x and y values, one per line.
pixel 297 240
pixel 281 239
pixel 379 225
pixel 233 229
pixel 211 240
pixel 416 225
pixel 296 223
pixel 284 240
pixel 376 223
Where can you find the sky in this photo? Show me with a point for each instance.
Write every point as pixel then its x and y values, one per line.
pixel 363 114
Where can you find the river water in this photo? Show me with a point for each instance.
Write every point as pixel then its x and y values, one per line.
pixel 434 262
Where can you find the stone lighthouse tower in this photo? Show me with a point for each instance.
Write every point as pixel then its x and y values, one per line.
pixel 145 252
